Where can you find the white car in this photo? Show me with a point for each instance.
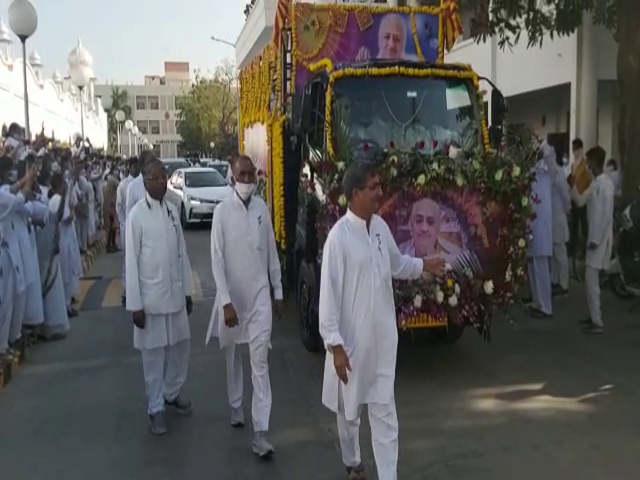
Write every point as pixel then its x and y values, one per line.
pixel 221 166
pixel 196 191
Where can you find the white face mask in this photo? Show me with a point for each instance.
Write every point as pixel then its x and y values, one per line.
pixel 245 190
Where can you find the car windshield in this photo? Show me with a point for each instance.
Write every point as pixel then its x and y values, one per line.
pixel 171 167
pixel 210 178
pixel 221 169
pixel 406 111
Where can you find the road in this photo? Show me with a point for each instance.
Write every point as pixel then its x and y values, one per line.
pixel 541 401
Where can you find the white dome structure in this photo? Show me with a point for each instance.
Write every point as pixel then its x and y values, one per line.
pixel 80 57
pixel 34 60
pixel 5 34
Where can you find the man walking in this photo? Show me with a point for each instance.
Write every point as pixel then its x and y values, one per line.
pixel 599 198
pixel 358 321
pixel 246 267
pixel 159 289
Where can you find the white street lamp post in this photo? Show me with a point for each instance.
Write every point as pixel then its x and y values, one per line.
pixel 120 116
pixel 134 132
pixel 23 20
pixel 80 74
pixel 128 125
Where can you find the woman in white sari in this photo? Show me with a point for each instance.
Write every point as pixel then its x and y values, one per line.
pixel 70 260
pixel 56 319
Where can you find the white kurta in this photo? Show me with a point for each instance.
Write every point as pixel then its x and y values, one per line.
pixel 357 310
pixel 34 309
pixel 135 193
pixel 158 274
pixel 121 212
pixel 245 264
pixel 599 198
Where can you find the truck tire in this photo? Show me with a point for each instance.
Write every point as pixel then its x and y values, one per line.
pixel 449 335
pixel 307 290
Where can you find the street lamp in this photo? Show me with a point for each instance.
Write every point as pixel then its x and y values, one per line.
pixel 212 145
pixel 120 116
pixel 134 132
pixel 220 40
pixel 128 125
pixel 80 73
pixel 23 20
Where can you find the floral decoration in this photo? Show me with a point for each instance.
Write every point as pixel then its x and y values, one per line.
pixel 490 192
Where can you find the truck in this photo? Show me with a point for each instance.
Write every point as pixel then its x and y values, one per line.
pixel 370 80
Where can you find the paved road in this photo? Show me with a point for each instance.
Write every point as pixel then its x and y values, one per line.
pixel 541 401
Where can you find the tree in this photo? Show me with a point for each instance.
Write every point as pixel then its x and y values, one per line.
pixel 208 112
pixel 543 19
pixel 119 101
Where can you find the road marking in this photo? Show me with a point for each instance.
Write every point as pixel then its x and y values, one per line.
pixel 197 286
pixel 113 295
pixel 83 289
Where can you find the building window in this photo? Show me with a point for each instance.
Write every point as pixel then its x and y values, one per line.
pixel 154 103
pixel 154 126
pixel 143 126
pixel 141 102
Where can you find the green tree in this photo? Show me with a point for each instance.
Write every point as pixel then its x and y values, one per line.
pixel 119 101
pixel 207 113
pixel 544 19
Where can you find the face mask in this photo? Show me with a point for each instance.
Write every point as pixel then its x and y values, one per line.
pixel 245 190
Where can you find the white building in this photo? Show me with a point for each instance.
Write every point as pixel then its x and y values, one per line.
pixel 565 89
pixel 53 103
pixel 153 107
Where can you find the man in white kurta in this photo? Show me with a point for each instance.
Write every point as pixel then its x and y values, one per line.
pixel 159 289
pixel 136 190
pixel 561 207
pixel 245 267
pixel 358 321
pixel 541 244
pixel 121 211
pixel 599 198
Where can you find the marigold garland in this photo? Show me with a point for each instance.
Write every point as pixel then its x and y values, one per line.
pixel 277 159
pixel 416 39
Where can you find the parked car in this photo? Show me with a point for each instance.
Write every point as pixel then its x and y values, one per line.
pixel 172 164
pixel 221 166
pixel 196 191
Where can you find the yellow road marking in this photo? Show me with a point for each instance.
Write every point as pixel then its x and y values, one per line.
pixel 113 294
pixel 83 289
pixel 197 286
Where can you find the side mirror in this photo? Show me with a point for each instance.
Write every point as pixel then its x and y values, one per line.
pixel 498 108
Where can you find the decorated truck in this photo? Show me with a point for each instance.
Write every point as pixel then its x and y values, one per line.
pixel 341 82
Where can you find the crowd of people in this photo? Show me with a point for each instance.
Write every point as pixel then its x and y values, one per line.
pixel 52 205
pixel 574 209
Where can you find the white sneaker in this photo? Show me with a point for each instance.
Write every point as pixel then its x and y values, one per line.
pixel 237 417
pixel 262 447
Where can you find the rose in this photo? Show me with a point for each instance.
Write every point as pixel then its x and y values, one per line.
pixel 453 152
pixel 342 201
pixel 435 166
pixel 488 287
pixel 439 296
pixel 417 301
pixel 516 171
pixel 524 202
pixel 498 175
pixel 459 180
pixel 522 243
pixel 393 172
pixel 456 289
pixel 453 301
pixel 421 179
pixel 340 166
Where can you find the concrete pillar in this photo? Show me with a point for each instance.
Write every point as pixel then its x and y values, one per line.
pixel 584 87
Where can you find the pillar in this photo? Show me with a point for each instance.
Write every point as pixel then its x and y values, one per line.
pixel 584 87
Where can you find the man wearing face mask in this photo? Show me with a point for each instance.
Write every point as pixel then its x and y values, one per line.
pixel 245 265
pixel 581 179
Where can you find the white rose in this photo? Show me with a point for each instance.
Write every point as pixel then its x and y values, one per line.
pixel 515 172
pixel 456 289
pixel 439 296
pixel 522 243
pixel 524 202
pixel 453 300
pixel 459 180
pixel 421 179
pixel 342 201
pixel 417 301
pixel 488 287
pixel 498 175
pixel 453 152
pixel 393 172
pixel 340 166
pixel 435 166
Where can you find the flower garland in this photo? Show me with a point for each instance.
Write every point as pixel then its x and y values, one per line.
pixel 393 71
pixel 490 194
pixel 277 160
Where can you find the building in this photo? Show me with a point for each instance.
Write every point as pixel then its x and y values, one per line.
pixel 153 107
pixel 54 104
pixel 564 89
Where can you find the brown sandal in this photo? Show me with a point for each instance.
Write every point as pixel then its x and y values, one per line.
pixel 356 473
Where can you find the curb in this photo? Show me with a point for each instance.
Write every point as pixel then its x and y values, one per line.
pixel 9 368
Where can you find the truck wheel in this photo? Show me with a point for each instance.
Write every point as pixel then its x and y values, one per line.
pixel 449 335
pixel 616 283
pixel 307 318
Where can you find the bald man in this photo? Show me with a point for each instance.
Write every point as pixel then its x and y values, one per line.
pixel 392 40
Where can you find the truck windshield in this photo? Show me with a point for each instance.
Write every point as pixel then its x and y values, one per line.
pixel 404 111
